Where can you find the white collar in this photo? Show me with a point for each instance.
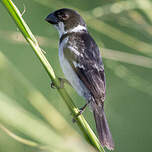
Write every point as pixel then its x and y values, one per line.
pixel 78 28
pixel 61 30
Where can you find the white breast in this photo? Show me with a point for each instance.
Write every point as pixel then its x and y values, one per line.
pixel 70 73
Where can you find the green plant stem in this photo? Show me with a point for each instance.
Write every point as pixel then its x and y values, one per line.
pixel 82 123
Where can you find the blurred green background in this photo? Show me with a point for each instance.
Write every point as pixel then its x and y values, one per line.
pixel 31 110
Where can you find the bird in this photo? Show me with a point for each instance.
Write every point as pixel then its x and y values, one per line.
pixel 82 65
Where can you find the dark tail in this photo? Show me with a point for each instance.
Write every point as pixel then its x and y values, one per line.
pixel 103 130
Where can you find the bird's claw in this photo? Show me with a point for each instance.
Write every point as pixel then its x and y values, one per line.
pixel 53 85
pixel 81 110
pixel 77 115
pixel 62 81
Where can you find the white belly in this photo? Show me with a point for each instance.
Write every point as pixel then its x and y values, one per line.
pixel 70 74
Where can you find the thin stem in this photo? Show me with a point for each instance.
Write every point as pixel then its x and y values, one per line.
pixel 82 123
pixel 18 138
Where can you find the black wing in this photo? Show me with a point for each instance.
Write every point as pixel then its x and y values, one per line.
pixel 88 65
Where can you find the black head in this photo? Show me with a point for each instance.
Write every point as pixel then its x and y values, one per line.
pixel 65 19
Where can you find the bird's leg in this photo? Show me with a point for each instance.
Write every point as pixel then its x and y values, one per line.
pixel 53 85
pixel 81 110
pixel 62 82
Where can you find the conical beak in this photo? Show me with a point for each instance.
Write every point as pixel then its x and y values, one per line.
pixel 51 18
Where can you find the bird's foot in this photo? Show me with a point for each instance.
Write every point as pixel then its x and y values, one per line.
pixel 53 85
pixel 81 110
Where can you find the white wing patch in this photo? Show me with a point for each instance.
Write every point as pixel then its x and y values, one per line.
pixel 74 51
pixel 99 68
pixel 78 65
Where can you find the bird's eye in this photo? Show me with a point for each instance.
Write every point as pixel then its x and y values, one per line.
pixel 63 17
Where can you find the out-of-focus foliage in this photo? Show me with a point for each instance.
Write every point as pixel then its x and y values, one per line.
pixel 28 107
pixel 30 38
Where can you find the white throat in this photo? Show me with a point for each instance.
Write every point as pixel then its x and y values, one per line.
pixel 62 31
pixel 60 28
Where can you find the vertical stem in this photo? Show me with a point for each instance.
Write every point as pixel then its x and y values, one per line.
pixel 82 123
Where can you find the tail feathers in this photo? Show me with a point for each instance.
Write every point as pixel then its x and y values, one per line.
pixel 103 130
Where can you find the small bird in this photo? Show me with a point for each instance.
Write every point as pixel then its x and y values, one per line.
pixel 82 66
